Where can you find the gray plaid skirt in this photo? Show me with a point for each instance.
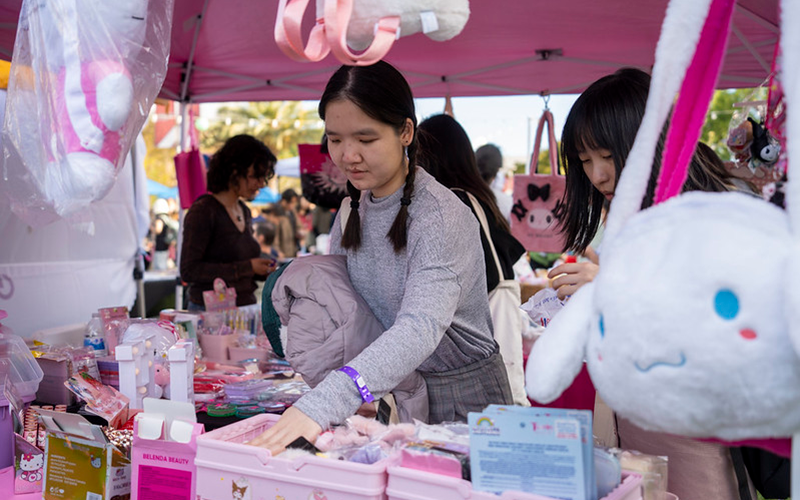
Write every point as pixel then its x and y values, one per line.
pixel 455 393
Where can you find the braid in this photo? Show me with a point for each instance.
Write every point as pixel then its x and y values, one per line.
pixel 399 233
pixel 351 238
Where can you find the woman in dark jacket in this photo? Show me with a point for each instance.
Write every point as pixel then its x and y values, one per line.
pixel 218 239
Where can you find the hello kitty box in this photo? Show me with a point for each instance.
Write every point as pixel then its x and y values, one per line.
pixel 228 469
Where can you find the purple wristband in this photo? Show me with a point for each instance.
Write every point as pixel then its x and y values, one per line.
pixel 366 396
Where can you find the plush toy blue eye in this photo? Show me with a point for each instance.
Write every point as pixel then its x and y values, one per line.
pixel 726 304
pixel 602 327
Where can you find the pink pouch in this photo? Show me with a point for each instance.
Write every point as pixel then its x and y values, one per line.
pixel 221 297
pixel 536 197
pixel 190 170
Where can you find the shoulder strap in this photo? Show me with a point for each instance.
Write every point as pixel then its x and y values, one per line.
pixel 344 213
pixel 476 206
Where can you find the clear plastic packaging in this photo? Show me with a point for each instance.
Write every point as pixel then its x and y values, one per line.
pixel 18 366
pixel 84 78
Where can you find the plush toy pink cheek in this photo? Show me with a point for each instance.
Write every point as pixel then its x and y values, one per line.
pixel 748 334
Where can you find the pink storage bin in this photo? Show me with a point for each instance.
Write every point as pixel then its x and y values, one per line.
pixel 411 484
pixel 227 468
pixel 216 347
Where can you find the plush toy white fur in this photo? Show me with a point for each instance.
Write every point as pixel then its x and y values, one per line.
pixel 371 26
pixel 450 18
pixel 87 44
pixel 686 328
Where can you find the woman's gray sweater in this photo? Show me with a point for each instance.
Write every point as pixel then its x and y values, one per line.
pixel 430 297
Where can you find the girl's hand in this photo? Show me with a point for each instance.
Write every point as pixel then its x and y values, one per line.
pixel 569 278
pixel 262 267
pixel 292 425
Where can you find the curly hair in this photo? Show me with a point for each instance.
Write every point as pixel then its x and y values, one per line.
pixel 234 159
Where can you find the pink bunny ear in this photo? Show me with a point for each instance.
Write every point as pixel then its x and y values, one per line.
pixel 694 99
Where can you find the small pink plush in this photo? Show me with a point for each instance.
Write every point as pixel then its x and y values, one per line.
pixel 162 380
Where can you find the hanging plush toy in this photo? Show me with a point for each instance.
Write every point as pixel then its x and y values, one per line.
pixel 364 25
pixel 677 335
pixel 80 89
pixel 93 93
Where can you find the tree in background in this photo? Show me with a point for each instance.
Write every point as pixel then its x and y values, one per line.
pixel 281 125
pixel 158 162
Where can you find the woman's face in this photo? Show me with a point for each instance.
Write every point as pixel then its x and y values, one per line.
pixel 248 187
pixel 598 164
pixel 369 152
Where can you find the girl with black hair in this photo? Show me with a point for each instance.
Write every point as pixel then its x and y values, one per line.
pixel 413 253
pixel 597 137
pixel 218 239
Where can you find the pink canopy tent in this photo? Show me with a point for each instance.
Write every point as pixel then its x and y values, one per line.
pixel 223 50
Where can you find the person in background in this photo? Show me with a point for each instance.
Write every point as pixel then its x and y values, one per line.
pixel 218 239
pixel 411 247
pixel 321 220
pixel 714 164
pixel 490 161
pixel 446 153
pixel 289 203
pixel 305 235
pixel 164 232
pixel 597 138
pixel 265 235
pixel 284 237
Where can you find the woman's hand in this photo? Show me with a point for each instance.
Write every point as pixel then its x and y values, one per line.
pixel 262 267
pixel 569 278
pixel 293 424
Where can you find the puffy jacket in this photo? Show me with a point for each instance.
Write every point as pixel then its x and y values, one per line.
pixel 328 324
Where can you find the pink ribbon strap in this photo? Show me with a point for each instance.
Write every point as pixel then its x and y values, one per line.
pixel 337 17
pixel 288 33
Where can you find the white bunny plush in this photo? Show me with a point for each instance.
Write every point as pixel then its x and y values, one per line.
pixel 80 89
pixel 685 329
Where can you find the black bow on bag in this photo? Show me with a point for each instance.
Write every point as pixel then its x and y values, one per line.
pixel 535 192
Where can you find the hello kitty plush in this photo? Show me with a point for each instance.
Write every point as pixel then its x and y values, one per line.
pixel 677 336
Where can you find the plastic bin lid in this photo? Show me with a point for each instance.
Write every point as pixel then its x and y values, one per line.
pixel 18 366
